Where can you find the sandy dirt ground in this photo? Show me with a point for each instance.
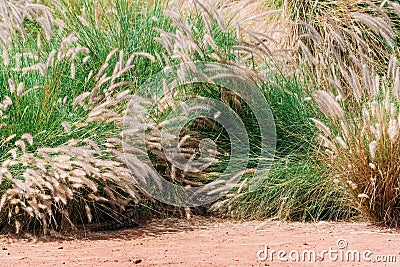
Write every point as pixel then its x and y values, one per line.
pixel 211 242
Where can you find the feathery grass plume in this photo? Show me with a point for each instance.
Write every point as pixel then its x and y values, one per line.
pixel 225 32
pixel 60 166
pixel 14 14
pixel 328 105
pixel 365 147
pixel 48 184
pixel 334 33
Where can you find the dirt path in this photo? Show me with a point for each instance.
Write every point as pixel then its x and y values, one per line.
pixel 206 242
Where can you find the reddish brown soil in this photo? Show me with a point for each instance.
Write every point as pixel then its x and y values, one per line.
pixel 200 242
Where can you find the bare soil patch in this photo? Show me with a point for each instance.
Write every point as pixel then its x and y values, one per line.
pixel 200 242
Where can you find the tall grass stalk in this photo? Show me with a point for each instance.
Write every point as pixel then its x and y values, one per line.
pixel 362 145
